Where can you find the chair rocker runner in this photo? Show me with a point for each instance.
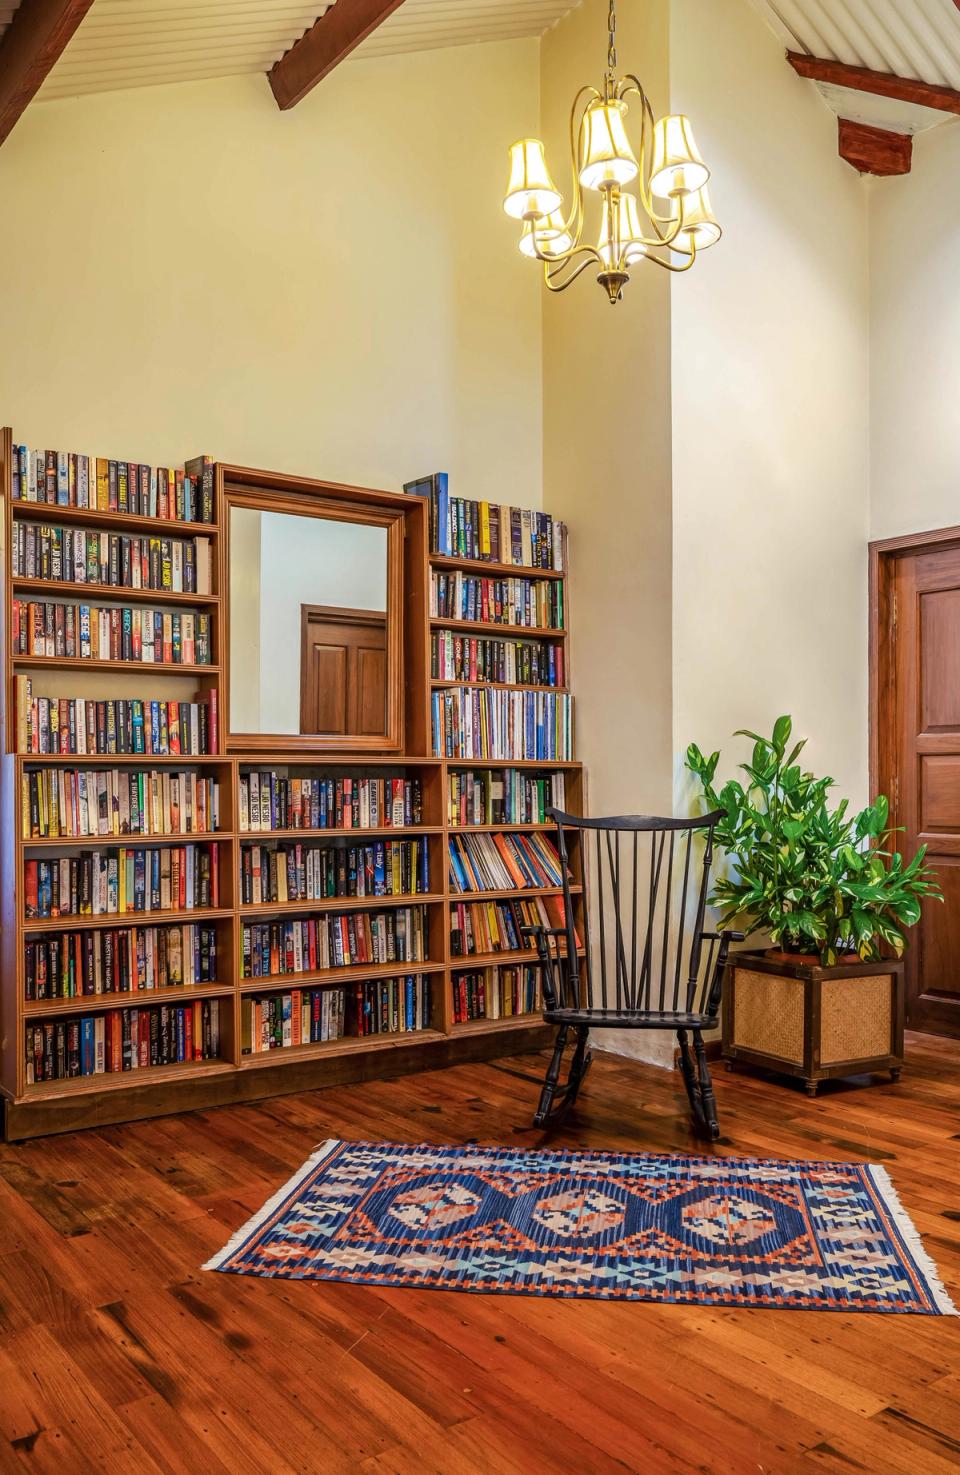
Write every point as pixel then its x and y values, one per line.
pixel 652 966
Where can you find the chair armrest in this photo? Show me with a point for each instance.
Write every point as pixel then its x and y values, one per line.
pixel 727 935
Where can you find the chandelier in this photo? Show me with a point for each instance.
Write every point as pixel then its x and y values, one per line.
pixel 670 178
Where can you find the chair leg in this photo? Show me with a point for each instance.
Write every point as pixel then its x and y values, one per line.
pixel 579 1066
pixel 549 1090
pixel 709 1104
pixel 691 1082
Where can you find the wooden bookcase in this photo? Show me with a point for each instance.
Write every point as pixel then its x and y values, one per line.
pixel 37 1108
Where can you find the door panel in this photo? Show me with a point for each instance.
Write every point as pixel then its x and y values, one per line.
pixel 919 717
pixel 343 671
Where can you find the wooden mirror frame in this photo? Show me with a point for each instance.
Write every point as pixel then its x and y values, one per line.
pixel 265 491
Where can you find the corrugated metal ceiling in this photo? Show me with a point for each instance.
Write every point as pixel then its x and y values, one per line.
pixel 137 43
pixel 911 38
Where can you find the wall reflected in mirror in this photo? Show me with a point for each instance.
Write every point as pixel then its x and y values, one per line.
pixel 308 625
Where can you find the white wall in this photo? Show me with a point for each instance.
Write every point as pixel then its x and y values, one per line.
pixel 915 340
pixel 329 290
pixel 770 410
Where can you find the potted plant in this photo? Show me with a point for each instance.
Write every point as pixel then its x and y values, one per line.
pixel 835 900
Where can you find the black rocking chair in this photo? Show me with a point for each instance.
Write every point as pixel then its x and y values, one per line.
pixel 653 966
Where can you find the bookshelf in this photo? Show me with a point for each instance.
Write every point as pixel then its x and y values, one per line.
pixel 226 990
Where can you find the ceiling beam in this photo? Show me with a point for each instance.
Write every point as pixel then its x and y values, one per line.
pixel 882 84
pixel 31 45
pixel 338 31
pixel 874 150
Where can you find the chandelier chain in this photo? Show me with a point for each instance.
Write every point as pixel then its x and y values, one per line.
pixel 612 30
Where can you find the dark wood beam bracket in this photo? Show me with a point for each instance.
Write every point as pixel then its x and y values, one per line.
pixel 33 42
pixel 882 84
pixel 324 46
pixel 875 150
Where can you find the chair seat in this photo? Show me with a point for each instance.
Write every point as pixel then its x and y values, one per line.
pixel 628 1019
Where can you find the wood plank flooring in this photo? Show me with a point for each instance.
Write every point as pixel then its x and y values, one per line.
pixel 117 1354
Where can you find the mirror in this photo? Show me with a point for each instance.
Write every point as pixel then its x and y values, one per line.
pixel 309 626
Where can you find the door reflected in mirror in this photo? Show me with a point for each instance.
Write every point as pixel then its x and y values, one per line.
pixel 308 625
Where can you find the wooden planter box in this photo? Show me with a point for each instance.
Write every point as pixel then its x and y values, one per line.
pixel 816 1023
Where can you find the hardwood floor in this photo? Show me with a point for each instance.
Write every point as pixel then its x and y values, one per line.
pixel 117 1354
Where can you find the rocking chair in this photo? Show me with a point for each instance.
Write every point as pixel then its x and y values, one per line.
pixel 653 966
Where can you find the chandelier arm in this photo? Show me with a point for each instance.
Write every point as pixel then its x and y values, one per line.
pixel 648 122
pixel 554 285
pixel 671 266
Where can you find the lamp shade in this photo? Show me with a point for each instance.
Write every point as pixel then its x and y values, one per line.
pixel 621 234
pixel 551 235
pixel 699 223
pixel 608 158
pixel 677 166
pixel 531 192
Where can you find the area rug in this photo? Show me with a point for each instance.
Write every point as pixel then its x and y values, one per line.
pixel 619 1226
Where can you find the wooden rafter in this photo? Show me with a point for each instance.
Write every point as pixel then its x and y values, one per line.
pixel 31 45
pixel 324 46
pixel 882 84
pixel 874 150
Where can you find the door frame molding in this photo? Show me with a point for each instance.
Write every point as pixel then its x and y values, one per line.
pixel 883 555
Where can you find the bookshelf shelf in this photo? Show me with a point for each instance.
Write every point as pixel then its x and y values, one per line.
pixel 357 973
pixel 80 922
pixel 507 1021
pixel 128 842
pixel 514 891
pixel 336 904
pixel 131 999
pixel 53 589
pixel 32 1109
pixel 156 527
pixel 126 1079
pixel 488 627
pixel 496 685
pixel 84 663
pixel 359 836
pixel 351 1045
pixel 493 570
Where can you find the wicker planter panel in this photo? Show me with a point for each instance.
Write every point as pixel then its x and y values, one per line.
pixel 856 1020
pixel 768 1015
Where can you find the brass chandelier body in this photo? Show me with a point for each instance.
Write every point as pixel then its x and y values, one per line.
pixel 669 174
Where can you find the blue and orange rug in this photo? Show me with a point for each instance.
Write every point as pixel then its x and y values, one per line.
pixel 696 1230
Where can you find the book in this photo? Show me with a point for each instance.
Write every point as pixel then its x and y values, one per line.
pixel 48 630
pixel 487 722
pixel 507 796
pixel 464 528
pixel 276 948
pixel 129 959
pixel 81 803
pixel 86 725
pixel 123 879
pixel 126 1039
pixel 499 862
pixel 71 479
pixel 271 800
pixel 524 603
pixel 472 658
pixel 291 873
pixel 498 992
pixel 480 927
pixel 110 559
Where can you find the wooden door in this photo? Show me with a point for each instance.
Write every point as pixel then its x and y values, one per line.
pixel 343 671
pixel 917 714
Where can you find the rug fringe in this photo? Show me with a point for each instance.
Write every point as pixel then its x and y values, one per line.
pixel 911 1237
pixel 321 1151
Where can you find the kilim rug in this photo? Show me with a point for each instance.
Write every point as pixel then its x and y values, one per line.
pixel 697 1230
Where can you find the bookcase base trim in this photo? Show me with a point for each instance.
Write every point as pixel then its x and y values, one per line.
pixel 42 1118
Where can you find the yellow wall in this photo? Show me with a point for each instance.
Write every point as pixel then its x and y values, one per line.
pixel 770 410
pixel 331 290
pixel 915 332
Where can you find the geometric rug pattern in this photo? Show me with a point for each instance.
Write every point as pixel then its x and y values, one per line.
pixel 647 1227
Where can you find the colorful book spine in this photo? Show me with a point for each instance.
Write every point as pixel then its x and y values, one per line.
pixel 475 722
pixel 127 1039
pixel 119 960
pixel 69 479
pixel 276 948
